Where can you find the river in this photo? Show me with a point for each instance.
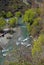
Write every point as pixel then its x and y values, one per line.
pixel 19 37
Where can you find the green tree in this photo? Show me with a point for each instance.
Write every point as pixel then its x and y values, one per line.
pixel 32 21
pixel 37 49
pixel 18 14
pixel 3 13
pixel 12 22
pixel 29 16
pixel 2 23
pixel 38 11
pixel 36 27
pixel 9 14
pixel 36 21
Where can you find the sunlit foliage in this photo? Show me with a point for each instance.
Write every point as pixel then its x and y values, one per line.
pixel 2 23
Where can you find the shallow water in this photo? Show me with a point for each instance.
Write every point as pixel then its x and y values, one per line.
pixel 23 35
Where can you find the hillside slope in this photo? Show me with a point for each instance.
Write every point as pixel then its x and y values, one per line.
pixel 13 5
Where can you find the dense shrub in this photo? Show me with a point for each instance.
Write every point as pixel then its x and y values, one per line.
pixel 12 22
pixel 2 23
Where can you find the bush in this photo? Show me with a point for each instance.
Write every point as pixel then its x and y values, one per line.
pixel 35 27
pixel 9 14
pixel 37 49
pixel 18 14
pixel 38 11
pixel 12 22
pixel 2 23
pixel 29 16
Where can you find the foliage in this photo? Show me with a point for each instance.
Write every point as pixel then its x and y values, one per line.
pixel 36 21
pixel 29 16
pixel 19 63
pixel 12 22
pixel 32 21
pixel 13 6
pixel 37 44
pixel 18 14
pixel 41 62
pixel 3 14
pixel 37 49
pixel 28 27
pixel 38 11
pixel 36 27
pixel 2 23
pixel 9 14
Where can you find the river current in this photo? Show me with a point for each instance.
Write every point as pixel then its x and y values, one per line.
pixel 20 37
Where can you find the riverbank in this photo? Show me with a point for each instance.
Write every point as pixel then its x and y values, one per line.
pixel 4 38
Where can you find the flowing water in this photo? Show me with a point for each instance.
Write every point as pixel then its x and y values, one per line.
pixel 21 34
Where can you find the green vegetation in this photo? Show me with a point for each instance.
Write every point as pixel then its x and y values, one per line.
pixel 37 49
pixel 29 16
pixel 2 14
pixel 12 22
pixel 17 63
pixel 2 23
pixel 35 26
pixel 13 6
pixel 38 11
pixel 18 14
pixel 34 20
pixel 9 14
pixel 37 46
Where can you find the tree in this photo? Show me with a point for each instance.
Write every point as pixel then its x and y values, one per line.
pixel 9 14
pixel 37 49
pixel 12 22
pixel 32 21
pixel 18 14
pixel 38 11
pixel 3 14
pixel 2 23
pixel 29 16
pixel 36 27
